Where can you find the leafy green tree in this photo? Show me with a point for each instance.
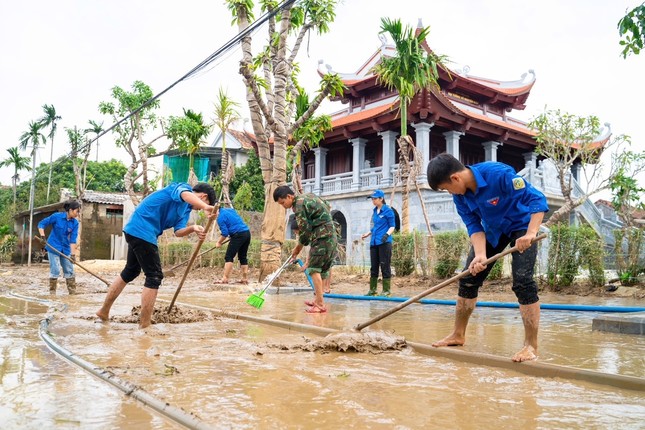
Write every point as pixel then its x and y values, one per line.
pixel 251 175
pixel 412 69
pixel 19 163
pixel 631 29
pixel 307 136
pixel 188 134
pixel 225 114
pixel 269 79
pixel 49 120
pixel 97 129
pixel 130 133
pixel 627 199
pixel 34 137
pixel 79 147
pixel 569 140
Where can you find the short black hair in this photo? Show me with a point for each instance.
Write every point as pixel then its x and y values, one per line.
pixel 71 204
pixel 440 168
pixel 203 187
pixel 282 192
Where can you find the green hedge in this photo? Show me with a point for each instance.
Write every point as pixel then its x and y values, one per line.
pixel 450 248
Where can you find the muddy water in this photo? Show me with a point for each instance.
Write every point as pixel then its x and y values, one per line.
pixel 228 373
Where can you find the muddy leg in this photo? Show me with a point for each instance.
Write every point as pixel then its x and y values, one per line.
pixel 531 319
pixel 245 273
pixel 113 292
pixel 318 289
pixel 148 298
pixel 228 268
pixel 463 309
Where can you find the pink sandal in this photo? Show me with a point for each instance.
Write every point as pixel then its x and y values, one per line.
pixel 315 309
pixel 310 303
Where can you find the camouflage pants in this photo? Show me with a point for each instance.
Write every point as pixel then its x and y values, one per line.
pixel 323 250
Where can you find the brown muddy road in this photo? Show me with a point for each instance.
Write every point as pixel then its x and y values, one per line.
pixel 232 373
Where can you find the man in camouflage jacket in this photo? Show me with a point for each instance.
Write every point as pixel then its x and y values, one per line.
pixel 316 230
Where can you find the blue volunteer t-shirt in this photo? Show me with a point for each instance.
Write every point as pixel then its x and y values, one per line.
pixel 161 210
pixel 64 231
pixel 381 223
pixel 230 222
pixel 503 202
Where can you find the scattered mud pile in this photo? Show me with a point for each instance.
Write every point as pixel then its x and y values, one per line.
pixel 370 341
pixel 160 315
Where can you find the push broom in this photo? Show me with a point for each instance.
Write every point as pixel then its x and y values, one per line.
pixel 257 300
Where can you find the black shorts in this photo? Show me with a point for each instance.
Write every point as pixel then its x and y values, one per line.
pixel 144 256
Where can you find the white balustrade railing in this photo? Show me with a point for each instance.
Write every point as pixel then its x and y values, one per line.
pixel 340 183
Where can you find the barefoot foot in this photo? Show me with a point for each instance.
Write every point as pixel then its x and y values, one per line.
pixel 525 354
pixel 103 316
pixel 451 340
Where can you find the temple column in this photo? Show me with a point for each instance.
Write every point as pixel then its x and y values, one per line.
pixel 358 160
pixel 423 146
pixel 389 156
pixel 452 142
pixel 490 150
pixel 320 168
pixel 530 161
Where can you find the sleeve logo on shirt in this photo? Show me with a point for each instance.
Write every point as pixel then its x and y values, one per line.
pixel 518 183
pixel 493 201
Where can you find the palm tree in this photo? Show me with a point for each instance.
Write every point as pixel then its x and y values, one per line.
pixel 98 129
pixel 19 163
pixel 409 71
pixel 35 137
pixel 225 115
pixel 49 120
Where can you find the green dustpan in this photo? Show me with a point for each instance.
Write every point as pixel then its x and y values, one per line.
pixel 257 300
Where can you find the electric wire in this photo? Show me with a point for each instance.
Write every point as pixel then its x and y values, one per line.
pixel 231 45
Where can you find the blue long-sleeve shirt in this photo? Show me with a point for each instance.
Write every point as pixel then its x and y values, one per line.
pixel 63 233
pixel 381 222
pixel 230 222
pixel 502 203
pixel 159 211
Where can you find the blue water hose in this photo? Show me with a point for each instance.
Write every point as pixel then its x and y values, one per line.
pixel 559 307
pixel 311 281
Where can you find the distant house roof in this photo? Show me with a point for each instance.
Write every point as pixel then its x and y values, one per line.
pixel 104 197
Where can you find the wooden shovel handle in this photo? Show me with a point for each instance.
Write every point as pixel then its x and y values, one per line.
pixel 419 296
pixel 190 262
pixel 44 242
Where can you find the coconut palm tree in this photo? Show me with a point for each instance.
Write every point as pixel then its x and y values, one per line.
pixel 409 71
pixel 34 137
pixel 225 114
pixel 19 163
pixel 97 129
pixel 49 120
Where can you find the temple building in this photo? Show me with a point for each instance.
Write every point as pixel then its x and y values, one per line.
pixel 467 116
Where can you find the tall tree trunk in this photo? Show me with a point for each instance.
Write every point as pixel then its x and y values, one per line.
pixel 51 166
pixel 273 228
pixel 32 191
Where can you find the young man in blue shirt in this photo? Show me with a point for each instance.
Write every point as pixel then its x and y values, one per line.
pixel 499 209
pixel 62 237
pixel 166 208
pixel 232 225
pixel 383 225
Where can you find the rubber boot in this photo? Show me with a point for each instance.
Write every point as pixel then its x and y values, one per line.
pixel 373 287
pixel 53 282
pixel 71 285
pixel 386 287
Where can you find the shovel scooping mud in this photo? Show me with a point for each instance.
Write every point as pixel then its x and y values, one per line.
pixel 349 337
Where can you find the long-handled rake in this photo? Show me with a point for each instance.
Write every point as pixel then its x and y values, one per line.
pixel 257 300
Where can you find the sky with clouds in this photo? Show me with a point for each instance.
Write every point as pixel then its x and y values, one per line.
pixel 70 53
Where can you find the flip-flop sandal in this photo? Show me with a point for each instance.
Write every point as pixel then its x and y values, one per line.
pixel 243 281
pixel 315 309
pixel 310 303
pixel 221 282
